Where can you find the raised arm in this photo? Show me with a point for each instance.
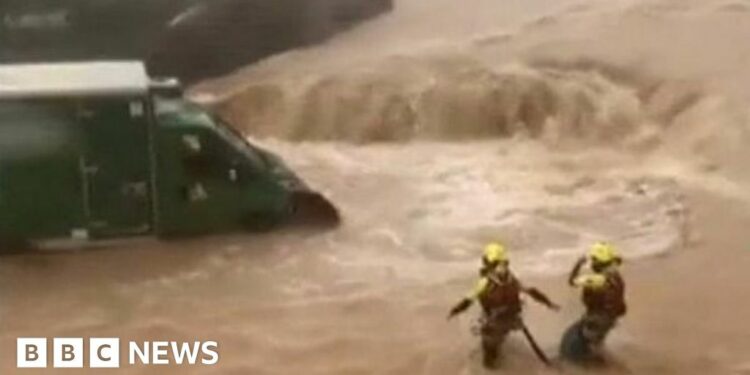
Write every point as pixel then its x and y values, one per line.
pixel 576 271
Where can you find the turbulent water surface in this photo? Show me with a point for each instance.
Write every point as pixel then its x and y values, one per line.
pixel 546 124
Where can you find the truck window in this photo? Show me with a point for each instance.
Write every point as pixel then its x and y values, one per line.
pixel 30 128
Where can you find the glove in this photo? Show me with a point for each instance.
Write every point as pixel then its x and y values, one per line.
pixel 459 308
pixel 543 299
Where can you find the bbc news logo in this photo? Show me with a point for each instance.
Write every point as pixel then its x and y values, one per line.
pixel 105 353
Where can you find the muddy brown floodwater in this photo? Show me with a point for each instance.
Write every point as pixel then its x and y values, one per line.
pixel 546 124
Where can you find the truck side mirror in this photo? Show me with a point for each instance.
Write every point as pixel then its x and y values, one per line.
pixel 238 172
pixel 192 143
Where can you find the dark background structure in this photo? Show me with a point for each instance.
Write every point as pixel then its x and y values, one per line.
pixel 191 39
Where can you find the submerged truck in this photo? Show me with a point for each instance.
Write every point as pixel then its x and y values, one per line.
pixel 100 150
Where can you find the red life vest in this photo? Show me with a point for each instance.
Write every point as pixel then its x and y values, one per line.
pixel 503 295
pixel 609 300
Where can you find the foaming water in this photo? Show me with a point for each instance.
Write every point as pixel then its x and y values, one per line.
pixel 545 124
pixel 444 97
pixel 441 201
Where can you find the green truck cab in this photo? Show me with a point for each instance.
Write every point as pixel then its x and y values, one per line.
pixel 99 150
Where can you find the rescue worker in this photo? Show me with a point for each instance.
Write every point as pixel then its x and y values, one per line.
pixel 499 294
pixel 603 292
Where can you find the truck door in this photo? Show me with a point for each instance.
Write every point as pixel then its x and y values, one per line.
pixel 116 167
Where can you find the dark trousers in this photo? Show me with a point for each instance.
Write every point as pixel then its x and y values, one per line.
pixel 494 329
pixel 596 327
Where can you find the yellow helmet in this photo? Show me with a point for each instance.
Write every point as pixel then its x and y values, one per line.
pixel 494 252
pixel 603 252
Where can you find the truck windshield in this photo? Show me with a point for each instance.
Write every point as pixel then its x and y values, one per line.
pixel 239 142
pixel 166 105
